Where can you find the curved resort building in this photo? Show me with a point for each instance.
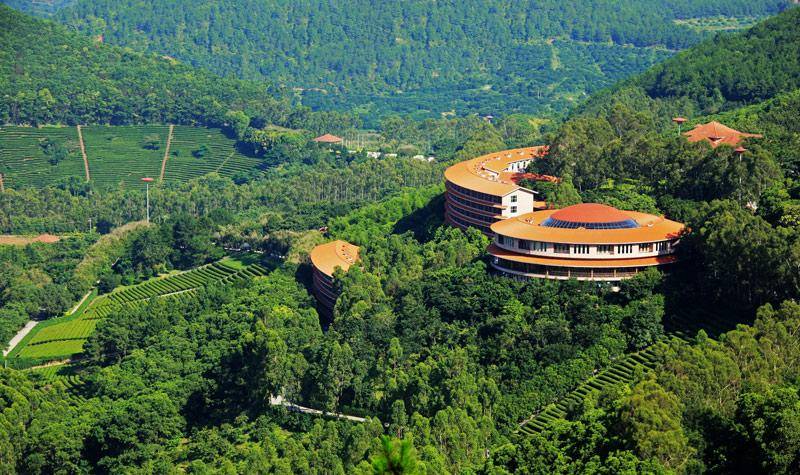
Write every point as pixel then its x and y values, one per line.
pixel 485 190
pixel 584 242
pixel 325 259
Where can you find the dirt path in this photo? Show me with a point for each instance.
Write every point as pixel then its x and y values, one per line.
pixel 83 152
pixel 19 336
pixel 225 161
pixel 166 153
pixel 78 305
pixel 280 401
pixel 51 363
pixel 2 184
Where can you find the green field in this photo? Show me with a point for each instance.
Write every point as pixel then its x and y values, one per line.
pixel 23 161
pixel 220 155
pixel 119 155
pixel 63 337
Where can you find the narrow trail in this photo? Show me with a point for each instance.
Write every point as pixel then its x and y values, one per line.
pixel 280 401
pixel 78 305
pixel 166 153
pixel 51 363
pixel 224 162
pixel 19 336
pixel 2 184
pixel 83 152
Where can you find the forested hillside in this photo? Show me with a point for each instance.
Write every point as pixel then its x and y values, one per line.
pixel 182 359
pixel 39 7
pixel 50 75
pixel 719 74
pixel 485 56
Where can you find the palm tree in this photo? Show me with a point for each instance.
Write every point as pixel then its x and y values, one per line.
pixel 396 457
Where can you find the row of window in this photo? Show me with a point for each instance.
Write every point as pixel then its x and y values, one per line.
pixel 575 272
pixel 469 214
pixel 527 245
pixel 465 224
pixel 476 194
pixel 471 204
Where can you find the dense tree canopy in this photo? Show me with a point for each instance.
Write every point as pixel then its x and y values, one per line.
pixel 417 57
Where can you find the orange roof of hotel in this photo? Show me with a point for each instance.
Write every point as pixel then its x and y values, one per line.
pixel 590 213
pixel 328 138
pixel 716 134
pixel 474 174
pixel 528 226
pixel 327 257
pixel 597 263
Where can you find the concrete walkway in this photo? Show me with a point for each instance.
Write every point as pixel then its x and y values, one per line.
pixel 19 336
pixel 280 401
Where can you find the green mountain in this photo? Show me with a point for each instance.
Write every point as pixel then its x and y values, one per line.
pixel 719 74
pixel 419 57
pixel 39 7
pixel 49 74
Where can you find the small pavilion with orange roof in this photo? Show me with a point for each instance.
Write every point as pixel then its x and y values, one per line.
pixel 329 139
pixel 717 134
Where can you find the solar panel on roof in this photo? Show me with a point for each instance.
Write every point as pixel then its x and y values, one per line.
pixel 557 223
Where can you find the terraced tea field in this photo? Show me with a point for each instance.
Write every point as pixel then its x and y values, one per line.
pixel 23 161
pixel 64 373
pixel 64 337
pixel 119 155
pixel 197 151
pixel 625 370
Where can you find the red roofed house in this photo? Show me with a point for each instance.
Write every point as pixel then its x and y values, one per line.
pixel 717 134
pixel 328 138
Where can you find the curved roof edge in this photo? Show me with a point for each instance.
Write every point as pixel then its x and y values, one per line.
pixel 490 173
pixel 327 257
pixel 528 226
pixel 610 263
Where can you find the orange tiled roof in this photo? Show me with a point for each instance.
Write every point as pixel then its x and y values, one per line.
pixel 528 226
pixel 328 138
pixel 487 174
pixel 597 263
pixel 717 134
pixel 590 213
pixel 327 257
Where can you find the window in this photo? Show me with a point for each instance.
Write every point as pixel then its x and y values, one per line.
pixel 561 248
pixel 513 209
pixel 513 198
pixel 524 244
pixel 625 249
pixel 662 246
pixel 646 247
pixel 580 249
pixel 539 246
pixel 605 249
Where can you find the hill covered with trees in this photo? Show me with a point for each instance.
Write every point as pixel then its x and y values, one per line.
pixel 444 360
pixel 420 57
pixel 720 74
pixel 49 75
